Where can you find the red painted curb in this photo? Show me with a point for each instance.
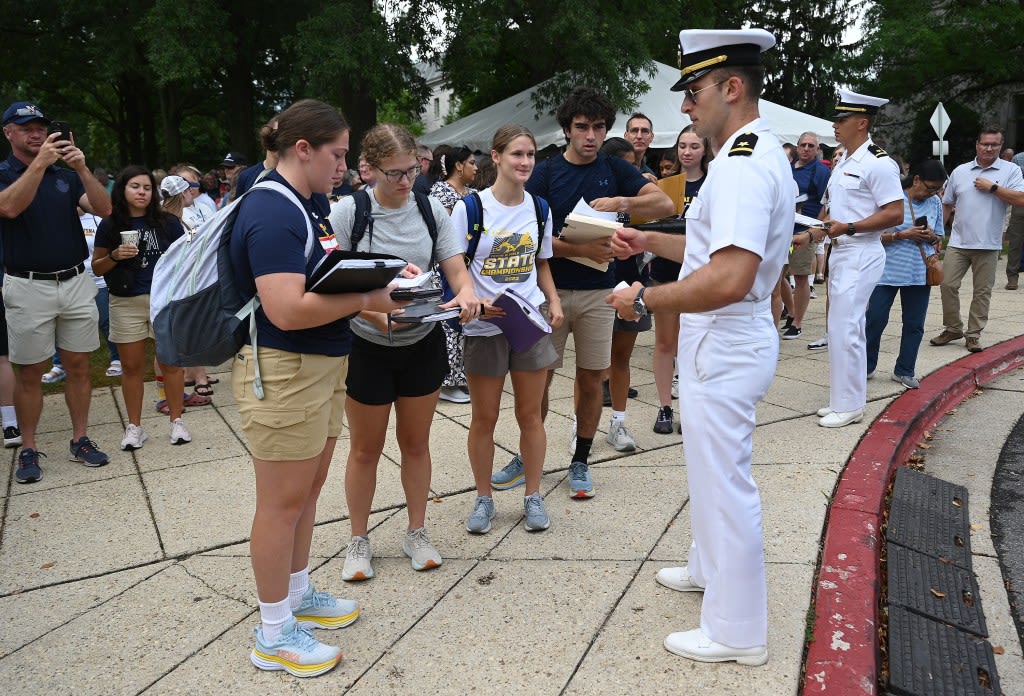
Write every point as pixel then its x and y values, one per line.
pixel 843 658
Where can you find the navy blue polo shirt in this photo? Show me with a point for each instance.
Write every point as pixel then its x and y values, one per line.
pixel 48 235
pixel 562 184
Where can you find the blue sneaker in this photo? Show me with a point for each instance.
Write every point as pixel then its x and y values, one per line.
pixel 295 651
pixel 85 451
pixel 323 610
pixel 536 516
pixel 580 483
pixel 483 512
pixel 28 466
pixel 511 476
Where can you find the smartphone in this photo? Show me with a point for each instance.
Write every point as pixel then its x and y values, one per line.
pixel 401 294
pixel 921 222
pixel 61 127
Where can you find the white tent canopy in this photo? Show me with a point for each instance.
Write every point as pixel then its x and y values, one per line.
pixel 659 103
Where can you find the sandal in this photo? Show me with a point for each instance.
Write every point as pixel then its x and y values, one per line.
pixel 212 380
pixel 190 383
pixel 195 399
pixel 204 389
pixel 162 407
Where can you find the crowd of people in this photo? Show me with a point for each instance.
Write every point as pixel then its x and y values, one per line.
pixel 719 283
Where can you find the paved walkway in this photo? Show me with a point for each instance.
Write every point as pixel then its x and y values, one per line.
pixel 134 577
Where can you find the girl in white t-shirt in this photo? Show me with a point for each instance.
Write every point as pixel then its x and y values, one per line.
pixel 512 253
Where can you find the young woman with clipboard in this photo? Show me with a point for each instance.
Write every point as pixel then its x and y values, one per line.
pixel 512 253
pixel 398 366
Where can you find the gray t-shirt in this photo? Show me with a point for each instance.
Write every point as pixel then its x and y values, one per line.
pixel 403 233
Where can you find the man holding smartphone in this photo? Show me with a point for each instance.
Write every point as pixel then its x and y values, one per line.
pixel 48 296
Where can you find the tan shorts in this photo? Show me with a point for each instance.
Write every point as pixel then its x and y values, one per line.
pixel 129 319
pixel 590 320
pixel 303 404
pixel 45 314
pixel 801 260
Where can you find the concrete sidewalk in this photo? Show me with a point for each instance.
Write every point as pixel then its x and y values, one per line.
pixel 135 577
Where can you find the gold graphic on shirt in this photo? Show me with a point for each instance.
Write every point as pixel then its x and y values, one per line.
pixel 511 257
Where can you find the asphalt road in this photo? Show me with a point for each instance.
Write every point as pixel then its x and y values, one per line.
pixel 1007 520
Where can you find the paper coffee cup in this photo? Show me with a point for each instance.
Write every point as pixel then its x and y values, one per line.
pixel 130 237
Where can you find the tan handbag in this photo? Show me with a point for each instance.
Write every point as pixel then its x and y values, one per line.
pixel 932 264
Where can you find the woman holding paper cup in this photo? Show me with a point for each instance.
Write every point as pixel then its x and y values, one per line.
pixel 512 253
pixel 128 245
pixel 391 368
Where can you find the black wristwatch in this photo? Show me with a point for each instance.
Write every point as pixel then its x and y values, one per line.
pixel 639 306
pixel 995 187
pixel 851 229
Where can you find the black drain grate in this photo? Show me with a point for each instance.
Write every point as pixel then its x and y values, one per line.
pixel 929 658
pixel 930 516
pixel 939 590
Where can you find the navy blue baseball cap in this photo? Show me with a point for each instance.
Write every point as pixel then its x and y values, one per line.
pixel 22 112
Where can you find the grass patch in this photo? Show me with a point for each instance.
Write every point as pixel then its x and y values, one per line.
pixel 99 360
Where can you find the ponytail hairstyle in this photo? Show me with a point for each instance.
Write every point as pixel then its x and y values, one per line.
pixel 439 167
pixel 307 119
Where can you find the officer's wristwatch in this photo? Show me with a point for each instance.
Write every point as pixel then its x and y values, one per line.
pixel 639 306
pixel 851 229
pixel 994 188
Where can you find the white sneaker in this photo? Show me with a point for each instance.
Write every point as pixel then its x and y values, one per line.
pixel 675 386
pixel 134 436
pixel 179 433
pixel 456 395
pixel 357 560
pixel 620 438
pixel 820 344
pixel 114 370
pixel 420 551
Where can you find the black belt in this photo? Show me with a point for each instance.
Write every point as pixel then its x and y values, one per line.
pixel 67 274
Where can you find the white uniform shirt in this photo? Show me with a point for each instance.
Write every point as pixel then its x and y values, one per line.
pixel 506 254
pixel 978 223
pixel 746 202
pixel 861 184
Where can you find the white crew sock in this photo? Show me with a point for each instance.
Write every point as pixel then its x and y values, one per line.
pixel 10 418
pixel 619 416
pixel 298 583
pixel 274 616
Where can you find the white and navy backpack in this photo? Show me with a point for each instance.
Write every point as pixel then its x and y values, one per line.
pixel 198 311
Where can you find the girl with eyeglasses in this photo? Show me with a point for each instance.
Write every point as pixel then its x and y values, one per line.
pixel 398 367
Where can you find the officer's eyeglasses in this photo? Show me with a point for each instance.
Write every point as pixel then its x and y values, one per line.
pixel 692 95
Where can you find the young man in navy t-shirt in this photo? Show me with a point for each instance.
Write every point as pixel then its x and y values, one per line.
pixel 607 184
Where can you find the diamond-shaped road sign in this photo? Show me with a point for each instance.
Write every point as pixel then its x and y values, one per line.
pixel 939 121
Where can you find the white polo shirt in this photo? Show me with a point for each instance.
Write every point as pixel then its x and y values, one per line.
pixel 746 201
pixel 861 184
pixel 978 223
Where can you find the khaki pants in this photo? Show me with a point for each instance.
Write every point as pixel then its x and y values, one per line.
pixel 982 263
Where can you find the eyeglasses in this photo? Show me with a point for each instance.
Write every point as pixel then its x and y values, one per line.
pixel 807 145
pixel 931 189
pixel 990 146
pixel 692 95
pixel 395 175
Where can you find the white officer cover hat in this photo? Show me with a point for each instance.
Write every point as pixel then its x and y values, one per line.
pixel 853 104
pixel 703 50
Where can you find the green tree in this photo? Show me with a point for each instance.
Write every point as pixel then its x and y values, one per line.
pixel 919 52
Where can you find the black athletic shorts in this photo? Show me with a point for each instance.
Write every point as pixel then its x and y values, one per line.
pixel 379 375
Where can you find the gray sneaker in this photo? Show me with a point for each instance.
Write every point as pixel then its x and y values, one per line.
pixel 620 438
pixel 908 381
pixel 358 556
pixel 483 512
pixel 536 517
pixel 420 551
pixel 510 476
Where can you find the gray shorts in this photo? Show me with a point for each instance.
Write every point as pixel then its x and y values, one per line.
pixel 492 356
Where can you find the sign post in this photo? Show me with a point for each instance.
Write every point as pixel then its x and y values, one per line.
pixel 940 122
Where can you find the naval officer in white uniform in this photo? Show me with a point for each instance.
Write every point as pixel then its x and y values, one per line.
pixel 738 236
pixel 864 197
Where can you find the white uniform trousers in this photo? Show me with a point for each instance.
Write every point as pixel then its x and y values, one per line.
pixel 726 364
pixel 854 268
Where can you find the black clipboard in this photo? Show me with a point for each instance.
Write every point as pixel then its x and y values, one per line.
pixel 353 271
